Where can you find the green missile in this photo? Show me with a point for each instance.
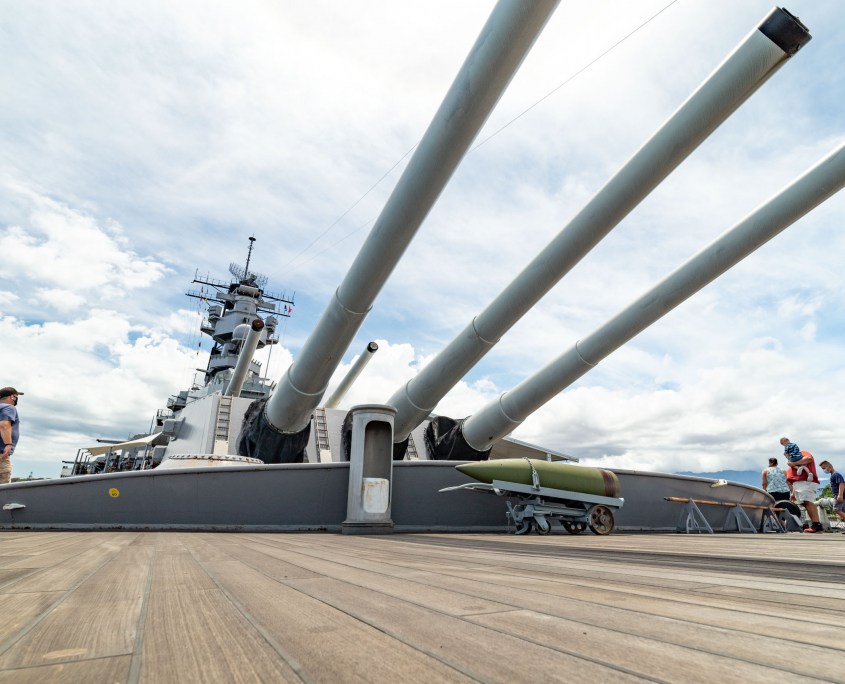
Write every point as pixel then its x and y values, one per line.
pixel 554 475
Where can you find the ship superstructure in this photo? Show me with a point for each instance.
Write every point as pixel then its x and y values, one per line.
pixel 240 318
pixel 232 307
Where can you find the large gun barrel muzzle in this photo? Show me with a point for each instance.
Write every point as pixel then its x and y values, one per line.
pixel 352 375
pixel 751 64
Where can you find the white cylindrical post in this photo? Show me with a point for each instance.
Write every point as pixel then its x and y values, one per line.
pixel 370 471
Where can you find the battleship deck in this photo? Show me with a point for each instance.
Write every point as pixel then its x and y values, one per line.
pixel 322 607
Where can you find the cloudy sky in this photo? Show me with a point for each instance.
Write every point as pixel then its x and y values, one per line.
pixel 145 141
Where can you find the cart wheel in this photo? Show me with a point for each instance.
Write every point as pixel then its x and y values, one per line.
pixel 601 520
pixel 542 525
pixel 574 527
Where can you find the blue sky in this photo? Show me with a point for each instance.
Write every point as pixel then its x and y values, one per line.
pixel 144 141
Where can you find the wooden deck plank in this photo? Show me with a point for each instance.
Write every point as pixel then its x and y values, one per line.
pixel 67 570
pixel 114 669
pixel 718 588
pixel 773 602
pixel 110 601
pixel 586 573
pixel 9 576
pixel 310 630
pixel 677 605
pixel 39 553
pixel 193 633
pixel 472 649
pixel 609 564
pixel 192 607
pixel 18 610
pixel 649 657
pixel 545 596
pixel 273 565
pixel 371 577
pixel 582 574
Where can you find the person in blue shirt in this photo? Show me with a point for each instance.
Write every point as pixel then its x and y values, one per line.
pixel 837 488
pixel 793 453
pixel 9 430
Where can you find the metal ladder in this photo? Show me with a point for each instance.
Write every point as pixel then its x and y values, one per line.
pixel 221 427
pixel 411 452
pixel 321 430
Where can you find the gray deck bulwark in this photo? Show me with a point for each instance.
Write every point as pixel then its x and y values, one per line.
pixel 312 496
pixel 323 607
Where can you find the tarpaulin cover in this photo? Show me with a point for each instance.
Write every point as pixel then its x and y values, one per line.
pixel 445 441
pixel 259 439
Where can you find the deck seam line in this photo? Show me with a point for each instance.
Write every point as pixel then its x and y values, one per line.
pixel 32 571
pixel 567 579
pixel 69 661
pixel 604 556
pixel 8 644
pixel 673 599
pixel 723 656
pixel 271 642
pixel 546 647
pixel 581 622
pixel 459 618
pixel 427 654
pixel 138 647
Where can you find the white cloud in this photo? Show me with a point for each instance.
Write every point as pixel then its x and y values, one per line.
pixel 69 249
pixel 58 298
pixel 729 417
pixel 146 142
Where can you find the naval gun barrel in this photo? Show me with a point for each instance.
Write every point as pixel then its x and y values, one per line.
pixel 493 60
pixel 503 415
pixel 351 376
pixel 778 36
pixel 250 344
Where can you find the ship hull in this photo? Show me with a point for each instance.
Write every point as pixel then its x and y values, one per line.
pixel 313 497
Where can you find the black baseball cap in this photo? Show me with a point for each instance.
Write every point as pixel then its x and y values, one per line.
pixel 8 392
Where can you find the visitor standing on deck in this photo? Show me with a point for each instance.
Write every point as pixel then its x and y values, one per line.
pixel 774 481
pixel 837 488
pixel 9 430
pixel 802 478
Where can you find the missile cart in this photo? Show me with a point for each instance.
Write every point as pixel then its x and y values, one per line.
pixel 576 496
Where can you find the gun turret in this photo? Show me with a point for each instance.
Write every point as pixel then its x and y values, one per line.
pixel 501 416
pixel 778 36
pixel 277 431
